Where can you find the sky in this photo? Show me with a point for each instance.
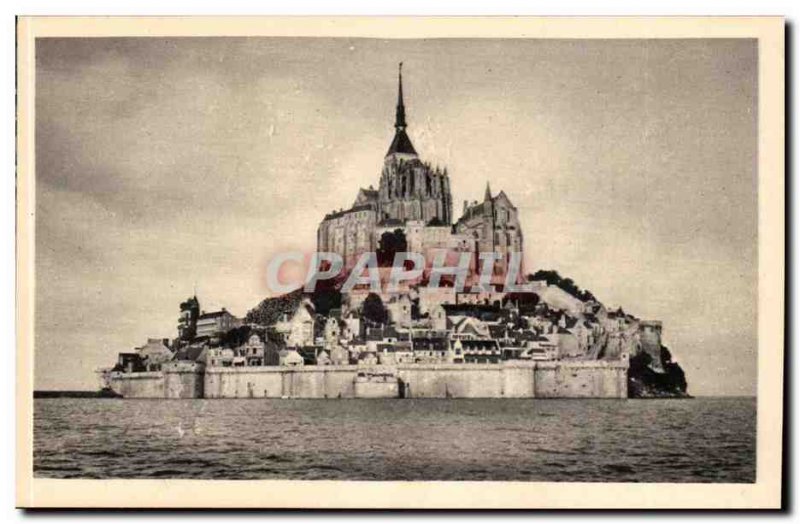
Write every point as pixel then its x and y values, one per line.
pixel 169 165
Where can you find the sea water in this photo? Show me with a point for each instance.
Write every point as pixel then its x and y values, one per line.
pixel 659 440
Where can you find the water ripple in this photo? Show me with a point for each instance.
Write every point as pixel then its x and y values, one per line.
pixel 700 440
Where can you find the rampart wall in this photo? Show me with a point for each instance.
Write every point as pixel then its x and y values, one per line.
pixel 550 379
pixel 581 379
pixel 138 385
pixel 280 382
pixel 175 383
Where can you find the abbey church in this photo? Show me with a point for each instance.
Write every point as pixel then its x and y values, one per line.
pixel 413 202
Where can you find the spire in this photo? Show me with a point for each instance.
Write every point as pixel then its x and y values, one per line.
pixel 401 143
pixel 400 115
pixel 488 195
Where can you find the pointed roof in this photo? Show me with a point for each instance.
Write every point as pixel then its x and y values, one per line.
pixel 488 195
pixel 400 114
pixel 401 143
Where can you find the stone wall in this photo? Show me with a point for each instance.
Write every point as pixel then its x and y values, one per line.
pixel 581 379
pixel 179 382
pixel 183 383
pixel 555 379
pixel 278 382
pixel 148 384
pixel 466 380
pixel 388 389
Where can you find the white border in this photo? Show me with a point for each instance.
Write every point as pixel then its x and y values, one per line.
pixel 765 493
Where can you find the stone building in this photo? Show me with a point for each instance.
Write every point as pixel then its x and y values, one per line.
pixel 478 351
pixel 216 323
pixel 494 226
pixel 297 330
pixel 431 349
pixel 332 331
pixel 223 357
pixel 155 353
pixel 339 355
pixel 413 202
pixel 395 353
pixel 291 358
pixel 252 351
pixel 399 309
pixel 129 362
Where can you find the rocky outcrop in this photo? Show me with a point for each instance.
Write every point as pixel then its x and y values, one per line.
pixel 644 382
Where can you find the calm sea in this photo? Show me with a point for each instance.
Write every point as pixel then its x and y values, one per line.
pixel 698 440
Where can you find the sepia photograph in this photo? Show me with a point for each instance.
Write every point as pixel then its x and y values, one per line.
pixel 330 255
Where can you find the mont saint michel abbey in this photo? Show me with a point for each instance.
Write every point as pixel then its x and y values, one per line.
pixel 413 202
pixel 414 341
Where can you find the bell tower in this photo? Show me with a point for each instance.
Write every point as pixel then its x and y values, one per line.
pixel 401 146
pixel 411 189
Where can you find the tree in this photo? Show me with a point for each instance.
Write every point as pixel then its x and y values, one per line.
pixel 526 301
pixel 236 336
pixel 327 292
pixel 373 309
pixel 270 310
pixel 390 244
pixel 566 284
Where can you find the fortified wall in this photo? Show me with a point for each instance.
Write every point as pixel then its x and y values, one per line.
pixel 547 379
pixel 176 380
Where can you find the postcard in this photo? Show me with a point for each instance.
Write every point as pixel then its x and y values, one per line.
pixel 460 263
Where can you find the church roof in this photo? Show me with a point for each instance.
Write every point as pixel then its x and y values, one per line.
pixel 401 144
pixel 354 209
pixel 472 211
pixel 369 194
pixel 501 199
